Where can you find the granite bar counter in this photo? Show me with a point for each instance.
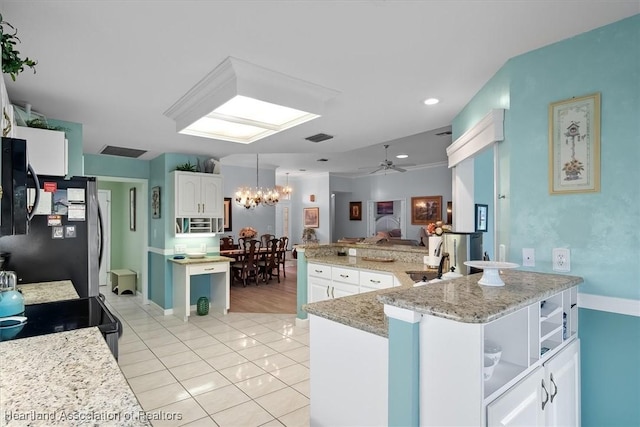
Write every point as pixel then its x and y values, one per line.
pixel 37 293
pixel 67 379
pixel 203 260
pixel 461 299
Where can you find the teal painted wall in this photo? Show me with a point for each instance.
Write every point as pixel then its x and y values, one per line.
pixel 118 221
pixel 601 228
pixel 114 166
pixel 73 132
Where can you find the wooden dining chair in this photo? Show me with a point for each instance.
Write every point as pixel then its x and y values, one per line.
pixel 282 253
pixel 247 267
pixel 269 262
pixel 264 239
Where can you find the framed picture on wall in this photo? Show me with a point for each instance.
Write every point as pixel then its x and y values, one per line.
pixel 227 214
pixel 132 209
pixel 355 211
pixel 426 209
pixel 481 217
pixel 574 145
pixel 311 217
pixel 384 208
pixel 155 202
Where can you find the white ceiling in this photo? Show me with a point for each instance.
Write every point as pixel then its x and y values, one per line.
pixel 117 66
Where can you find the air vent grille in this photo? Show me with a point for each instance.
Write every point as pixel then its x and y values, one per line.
pixel 122 151
pixel 323 160
pixel 319 137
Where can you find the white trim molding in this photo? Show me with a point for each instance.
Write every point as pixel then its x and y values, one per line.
pixel 487 131
pixel 630 307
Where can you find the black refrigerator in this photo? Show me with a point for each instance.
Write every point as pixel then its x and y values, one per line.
pixel 63 241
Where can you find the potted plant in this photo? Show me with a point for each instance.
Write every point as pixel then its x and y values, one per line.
pixel 12 63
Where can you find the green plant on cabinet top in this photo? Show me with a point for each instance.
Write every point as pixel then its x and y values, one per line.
pixel 12 63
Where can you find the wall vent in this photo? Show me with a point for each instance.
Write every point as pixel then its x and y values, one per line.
pixel 122 151
pixel 322 160
pixel 319 137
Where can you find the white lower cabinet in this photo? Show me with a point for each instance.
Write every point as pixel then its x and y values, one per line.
pixel 548 396
pixel 348 376
pixel 520 405
pixel 563 372
pixel 327 282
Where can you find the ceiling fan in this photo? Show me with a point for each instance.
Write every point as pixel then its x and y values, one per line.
pixel 388 164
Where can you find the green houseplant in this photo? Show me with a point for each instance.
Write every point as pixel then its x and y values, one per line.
pixel 12 63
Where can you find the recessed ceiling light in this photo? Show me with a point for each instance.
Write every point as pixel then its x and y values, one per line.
pixel 402 156
pixel 431 101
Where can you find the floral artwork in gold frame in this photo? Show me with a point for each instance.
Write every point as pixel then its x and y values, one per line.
pixel 574 145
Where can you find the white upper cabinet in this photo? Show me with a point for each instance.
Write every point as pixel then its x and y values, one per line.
pixel 198 195
pixel 47 150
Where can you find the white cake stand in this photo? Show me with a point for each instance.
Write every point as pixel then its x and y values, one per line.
pixel 491 271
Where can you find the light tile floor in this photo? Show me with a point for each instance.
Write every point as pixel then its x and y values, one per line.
pixel 241 369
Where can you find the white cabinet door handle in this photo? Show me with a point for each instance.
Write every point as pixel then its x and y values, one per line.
pixel 546 395
pixel 344 276
pixel 318 271
pixel 327 291
pixel 332 296
pixel 374 281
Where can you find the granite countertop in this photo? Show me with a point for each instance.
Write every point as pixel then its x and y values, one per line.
pixel 464 300
pixel 461 299
pixel 69 378
pixel 397 268
pixel 206 259
pixel 36 293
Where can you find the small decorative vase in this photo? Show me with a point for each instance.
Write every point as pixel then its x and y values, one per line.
pixel 202 306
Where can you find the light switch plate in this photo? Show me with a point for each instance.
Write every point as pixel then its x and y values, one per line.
pixel 528 257
pixel 180 249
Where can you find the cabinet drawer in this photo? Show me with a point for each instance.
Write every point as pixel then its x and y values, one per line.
pixel 214 267
pixel 319 270
pixel 370 279
pixel 345 275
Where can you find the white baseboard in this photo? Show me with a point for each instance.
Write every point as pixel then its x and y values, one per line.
pixel 165 311
pixel 629 307
pixel 302 323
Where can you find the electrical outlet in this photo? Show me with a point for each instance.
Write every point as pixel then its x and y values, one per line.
pixel 352 251
pixel 561 258
pixel 180 249
pixel 528 257
pixel 203 248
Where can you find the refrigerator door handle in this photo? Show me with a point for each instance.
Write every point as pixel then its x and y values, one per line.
pixel 101 238
pixel 36 200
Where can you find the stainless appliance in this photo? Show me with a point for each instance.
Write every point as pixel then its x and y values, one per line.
pixel 64 237
pixel 59 316
pixel 15 173
pixel 463 247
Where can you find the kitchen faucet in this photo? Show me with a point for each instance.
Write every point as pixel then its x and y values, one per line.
pixel 445 255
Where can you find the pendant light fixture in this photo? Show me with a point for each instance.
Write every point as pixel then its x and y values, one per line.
pixel 250 198
pixel 287 190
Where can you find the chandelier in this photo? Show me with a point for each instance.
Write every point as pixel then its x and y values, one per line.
pixel 287 190
pixel 250 198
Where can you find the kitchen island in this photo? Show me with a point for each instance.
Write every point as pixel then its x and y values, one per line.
pixel 430 361
pixel 67 379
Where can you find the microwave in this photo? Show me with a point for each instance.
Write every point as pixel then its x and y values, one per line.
pixel 14 171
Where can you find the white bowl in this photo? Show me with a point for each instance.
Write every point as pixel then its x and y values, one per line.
pixel 489 364
pixel 492 350
pixel 196 254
